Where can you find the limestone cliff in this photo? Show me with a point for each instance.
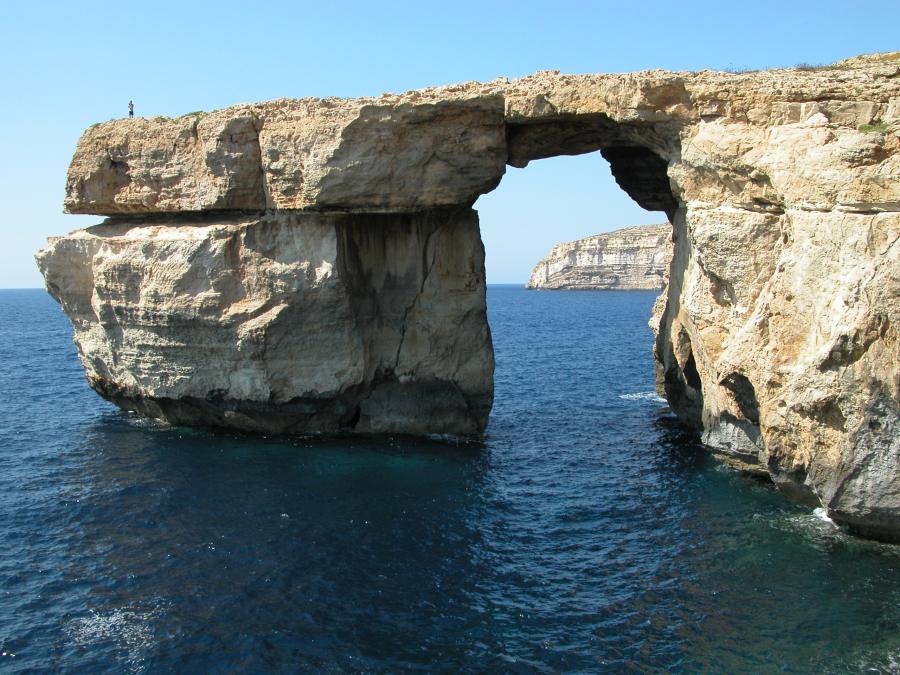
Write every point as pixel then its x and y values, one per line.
pixel 285 322
pixel 314 265
pixel 633 258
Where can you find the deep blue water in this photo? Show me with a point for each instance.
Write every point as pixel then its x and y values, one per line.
pixel 588 533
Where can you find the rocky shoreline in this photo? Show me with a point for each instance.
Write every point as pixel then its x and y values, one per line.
pixel 304 266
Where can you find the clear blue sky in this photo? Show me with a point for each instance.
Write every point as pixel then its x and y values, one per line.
pixel 67 65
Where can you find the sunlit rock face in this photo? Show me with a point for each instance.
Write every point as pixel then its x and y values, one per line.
pixel 394 154
pixel 630 259
pixel 321 270
pixel 285 322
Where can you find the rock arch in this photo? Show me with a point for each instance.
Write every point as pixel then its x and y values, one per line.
pixel 315 264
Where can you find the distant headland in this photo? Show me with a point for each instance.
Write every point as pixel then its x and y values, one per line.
pixel 629 259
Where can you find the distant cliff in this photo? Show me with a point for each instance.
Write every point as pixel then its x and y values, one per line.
pixel 633 258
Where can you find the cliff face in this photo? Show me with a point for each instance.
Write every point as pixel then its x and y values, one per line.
pixel 392 154
pixel 314 265
pixel 284 322
pixel 633 258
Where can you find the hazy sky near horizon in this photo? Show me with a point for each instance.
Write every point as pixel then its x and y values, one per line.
pixel 68 65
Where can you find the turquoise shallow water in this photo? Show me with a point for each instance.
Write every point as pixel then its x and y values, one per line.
pixel 587 533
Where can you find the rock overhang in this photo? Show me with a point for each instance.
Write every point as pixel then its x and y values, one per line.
pixel 448 145
pixel 293 155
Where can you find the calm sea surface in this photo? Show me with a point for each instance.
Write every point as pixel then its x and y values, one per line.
pixel 587 533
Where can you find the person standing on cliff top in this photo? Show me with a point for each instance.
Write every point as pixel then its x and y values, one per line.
pixel 131 108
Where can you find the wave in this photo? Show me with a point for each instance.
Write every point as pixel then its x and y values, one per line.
pixel 644 396
pixel 129 629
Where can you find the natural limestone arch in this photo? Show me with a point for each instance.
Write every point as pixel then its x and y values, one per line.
pixel 315 265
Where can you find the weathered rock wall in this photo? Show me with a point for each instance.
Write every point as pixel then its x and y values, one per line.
pixel 320 154
pixel 285 322
pixel 633 258
pixel 777 336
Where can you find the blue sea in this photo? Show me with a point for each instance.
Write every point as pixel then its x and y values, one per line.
pixel 587 533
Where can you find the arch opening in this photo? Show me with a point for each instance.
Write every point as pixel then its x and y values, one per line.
pixel 638 157
pixel 637 154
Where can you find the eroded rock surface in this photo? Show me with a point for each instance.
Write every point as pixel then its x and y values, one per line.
pixel 285 322
pixel 397 153
pixel 633 258
pixel 777 333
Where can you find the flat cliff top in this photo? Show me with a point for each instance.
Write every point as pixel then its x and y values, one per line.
pixel 873 76
pixel 443 145
pixel 633 235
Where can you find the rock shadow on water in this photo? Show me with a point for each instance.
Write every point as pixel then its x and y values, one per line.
pixel 306 544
